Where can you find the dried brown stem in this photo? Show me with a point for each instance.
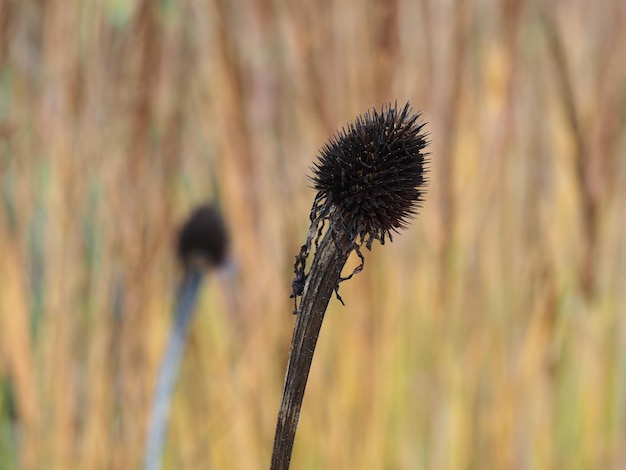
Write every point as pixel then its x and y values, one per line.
pixel 325 273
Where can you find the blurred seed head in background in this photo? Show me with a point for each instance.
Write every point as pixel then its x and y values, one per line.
pixel 203 239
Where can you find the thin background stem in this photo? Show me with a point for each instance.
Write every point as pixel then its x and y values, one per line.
pixel 169 369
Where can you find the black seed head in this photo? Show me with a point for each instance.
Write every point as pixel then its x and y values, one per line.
pixel 203 237
pixel 372 173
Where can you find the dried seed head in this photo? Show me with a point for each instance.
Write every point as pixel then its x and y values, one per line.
pixel 370 181
pixel 203 238
pixel 372 173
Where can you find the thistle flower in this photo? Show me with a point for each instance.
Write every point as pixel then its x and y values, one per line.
pixel 370 181
pixel 202 243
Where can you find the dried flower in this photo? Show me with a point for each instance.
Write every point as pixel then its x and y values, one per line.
pixel 370 181
pixel 373 173
pixel 203 238
pixel 202 242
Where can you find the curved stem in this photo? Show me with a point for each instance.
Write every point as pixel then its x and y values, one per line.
pixel 169 369
pixel 324 275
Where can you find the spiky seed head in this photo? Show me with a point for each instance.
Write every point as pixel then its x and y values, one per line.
pixel 203 238
pixel 372 172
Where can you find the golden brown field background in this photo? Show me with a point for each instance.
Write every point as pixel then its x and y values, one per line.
pixel 490 335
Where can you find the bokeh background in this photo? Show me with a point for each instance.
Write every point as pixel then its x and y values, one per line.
pixel 490 334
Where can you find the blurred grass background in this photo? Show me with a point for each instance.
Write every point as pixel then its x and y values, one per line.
pixel 491 334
